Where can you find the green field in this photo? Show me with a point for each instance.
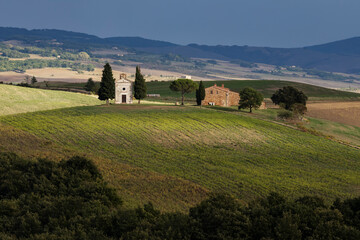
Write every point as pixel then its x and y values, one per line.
pixel 195 151
pixel 16 99
pixel 266 87
pixel 339 131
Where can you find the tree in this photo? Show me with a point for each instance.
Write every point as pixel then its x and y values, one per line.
pixel 90 85
pixel 200 93
pixel 83 55
pixel 220 216
pixel 288 96
pixel 33 80
pixel 107 85
pixel 140 85
pixel 250 98
pixel 184 86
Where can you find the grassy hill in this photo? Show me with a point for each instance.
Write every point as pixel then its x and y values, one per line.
pixel 174 155
pixel 16 99
pixel 266 87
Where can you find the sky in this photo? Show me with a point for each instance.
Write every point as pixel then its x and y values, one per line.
pixel 272 23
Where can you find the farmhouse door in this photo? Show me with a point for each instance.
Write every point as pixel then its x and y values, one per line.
pixel 123 98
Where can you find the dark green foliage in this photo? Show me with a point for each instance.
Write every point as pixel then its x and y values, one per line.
pixel 288 96
pixel 33 80
pixel 48 200
pixel 69 200
pixel 90 85
pixel 139 85
pixel 107 84
pixel 183 86
pixel 350 209
pixel 250 98
pixel 219 217
pixel 200 93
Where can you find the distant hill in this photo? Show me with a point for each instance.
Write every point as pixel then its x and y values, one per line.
pixel 339 56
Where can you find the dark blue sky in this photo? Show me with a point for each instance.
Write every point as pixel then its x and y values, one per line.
pixel 276 23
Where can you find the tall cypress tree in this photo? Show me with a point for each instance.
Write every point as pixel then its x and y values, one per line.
pixel 140 85
pixel 107 85
pixel 200 93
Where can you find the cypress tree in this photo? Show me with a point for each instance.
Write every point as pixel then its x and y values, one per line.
pixel 140 85
pixel 200 93
pixel 107 85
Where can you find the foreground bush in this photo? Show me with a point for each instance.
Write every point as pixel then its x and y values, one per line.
pixel 69 200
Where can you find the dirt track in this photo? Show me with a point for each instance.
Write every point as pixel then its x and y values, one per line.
pixel 342 112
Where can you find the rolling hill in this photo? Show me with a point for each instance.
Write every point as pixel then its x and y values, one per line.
pixel 339 56
pixel 174 156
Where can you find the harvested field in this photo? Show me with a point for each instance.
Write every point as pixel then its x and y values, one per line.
pixel 342 112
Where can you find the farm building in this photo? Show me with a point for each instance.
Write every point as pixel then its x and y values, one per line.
pixel 123 90
pixel 220 96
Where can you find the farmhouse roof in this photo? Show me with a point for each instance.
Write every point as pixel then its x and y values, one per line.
pixel 222 88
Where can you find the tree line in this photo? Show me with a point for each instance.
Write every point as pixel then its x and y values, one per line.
pixel 69 199
pixel 23 65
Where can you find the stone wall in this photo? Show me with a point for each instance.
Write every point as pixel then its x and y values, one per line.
pixel 220 96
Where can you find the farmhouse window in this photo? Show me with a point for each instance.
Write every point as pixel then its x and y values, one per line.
pixel 211 92
pixel 217 92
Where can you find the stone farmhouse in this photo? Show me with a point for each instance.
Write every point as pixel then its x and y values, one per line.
pixel 220 96
pixel 123 90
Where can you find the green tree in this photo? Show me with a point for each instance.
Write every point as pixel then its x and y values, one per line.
pixel 183 86
pixel 200 93
pixel 107 85
pixel 33 80
pixel 219 217
pixel 250 98
pixel 140 85
pixel 90 85
pixel 288 96
pixel 84 55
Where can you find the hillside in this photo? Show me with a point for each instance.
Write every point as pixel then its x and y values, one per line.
pixel 14 99
pixel 174 155
pixel 339 56
pixel 266 87
pixel 330 57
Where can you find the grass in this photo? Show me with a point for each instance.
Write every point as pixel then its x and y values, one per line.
pixel 190 151
pixel 16 99
pixel 343 132
pixel 267 87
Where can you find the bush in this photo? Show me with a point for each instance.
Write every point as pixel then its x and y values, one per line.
pixel 285 114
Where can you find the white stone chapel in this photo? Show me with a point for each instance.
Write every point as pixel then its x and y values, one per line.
pixel 123 90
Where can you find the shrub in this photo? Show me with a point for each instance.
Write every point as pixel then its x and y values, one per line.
pixel 285 114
